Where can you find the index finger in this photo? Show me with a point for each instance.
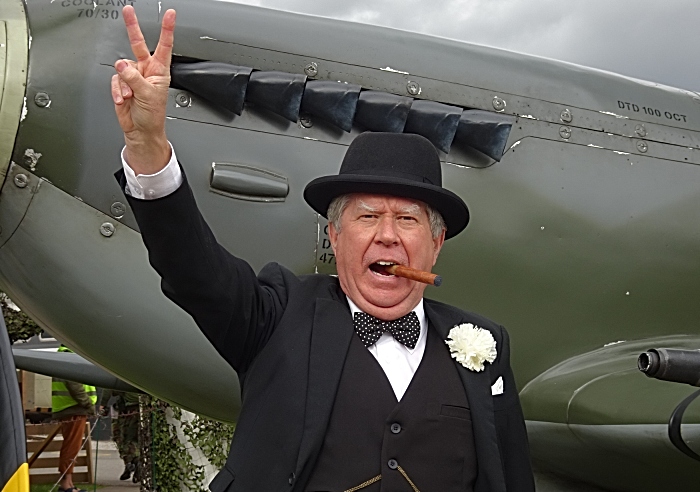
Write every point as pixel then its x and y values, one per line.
pixel 136 39
pixel 164 50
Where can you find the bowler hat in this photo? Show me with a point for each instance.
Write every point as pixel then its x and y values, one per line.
pixel 399 164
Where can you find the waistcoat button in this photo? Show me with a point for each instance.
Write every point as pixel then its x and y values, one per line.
pixel 395 428
pixel 393 464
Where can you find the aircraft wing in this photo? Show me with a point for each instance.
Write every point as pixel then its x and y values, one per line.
pixel 596 414
pixel 69 366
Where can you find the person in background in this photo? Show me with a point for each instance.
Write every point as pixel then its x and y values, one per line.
pixel 71 404
pixel 125 429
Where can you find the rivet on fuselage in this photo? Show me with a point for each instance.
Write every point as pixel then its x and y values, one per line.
pixel 118 210
pixel 183 99
pixel 566 116
pixel 413 88
pixel 565 132
pixel 305 122
pixel 642 146
pixel 42 99
pixel 640 131
pixel 21 180
pixel 499 104
pixel 311 69
pixel 107 229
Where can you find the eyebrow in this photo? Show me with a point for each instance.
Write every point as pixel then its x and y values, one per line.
pixel 366 207
pixel 412 209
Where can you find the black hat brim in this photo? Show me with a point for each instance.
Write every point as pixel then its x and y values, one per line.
pixel 320 192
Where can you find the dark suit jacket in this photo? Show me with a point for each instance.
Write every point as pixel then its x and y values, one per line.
pixel 287 337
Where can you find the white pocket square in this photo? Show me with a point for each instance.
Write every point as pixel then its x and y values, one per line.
pixel 497 388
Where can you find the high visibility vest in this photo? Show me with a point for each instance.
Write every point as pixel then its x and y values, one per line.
pixel 60 396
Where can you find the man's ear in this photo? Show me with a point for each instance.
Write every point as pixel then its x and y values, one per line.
pixel 332 235
pixel 437 244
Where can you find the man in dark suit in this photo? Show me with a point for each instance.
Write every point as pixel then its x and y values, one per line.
pixel 348 383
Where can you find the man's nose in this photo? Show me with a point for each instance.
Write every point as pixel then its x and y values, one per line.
pixel 386 231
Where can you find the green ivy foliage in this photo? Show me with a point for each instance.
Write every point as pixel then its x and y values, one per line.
pixel 172 467
pixel 19 325
pixel 211 437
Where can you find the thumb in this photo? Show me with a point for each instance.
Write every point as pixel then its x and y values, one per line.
pixel 130 74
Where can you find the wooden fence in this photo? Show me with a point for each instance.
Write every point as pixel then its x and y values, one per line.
pixel 46 438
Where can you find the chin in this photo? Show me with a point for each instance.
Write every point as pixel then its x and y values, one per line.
pixel 387 302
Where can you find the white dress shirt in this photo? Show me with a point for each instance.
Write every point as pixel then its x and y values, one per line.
pixel 398 361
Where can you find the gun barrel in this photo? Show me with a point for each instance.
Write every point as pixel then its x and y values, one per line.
pixel 679 366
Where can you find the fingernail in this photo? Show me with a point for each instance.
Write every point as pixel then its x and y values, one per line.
pixel 125 91
pixel 120 66
pixel 118 99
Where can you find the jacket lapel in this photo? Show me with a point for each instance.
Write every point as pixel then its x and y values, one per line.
pixel 477 386
pixel 330 339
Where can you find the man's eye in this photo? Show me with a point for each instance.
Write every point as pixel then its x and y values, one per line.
pixel 407 218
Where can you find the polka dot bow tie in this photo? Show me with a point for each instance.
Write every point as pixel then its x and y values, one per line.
pixel 406 329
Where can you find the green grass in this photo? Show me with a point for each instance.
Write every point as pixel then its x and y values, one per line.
pixel 47 487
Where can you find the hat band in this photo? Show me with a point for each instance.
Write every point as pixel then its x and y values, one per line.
pixel 391 174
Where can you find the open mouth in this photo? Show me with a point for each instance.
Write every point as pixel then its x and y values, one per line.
pixel 380 267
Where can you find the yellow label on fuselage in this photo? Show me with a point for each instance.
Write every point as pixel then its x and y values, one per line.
pixel 19 481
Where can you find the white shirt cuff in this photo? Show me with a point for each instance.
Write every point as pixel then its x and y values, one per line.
pixel 152 186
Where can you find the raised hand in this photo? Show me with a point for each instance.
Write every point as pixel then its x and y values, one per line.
pixel 140 94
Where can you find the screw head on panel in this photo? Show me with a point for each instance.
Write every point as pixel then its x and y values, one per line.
pixel 642 146
pixel 118 209
pixel 305 122
pixel 499 104
pixel 311 69
pixel 183 99
pixel 640 130
pixel 565 132
pixel 42 99
pixel 566 116
pixel 21 180
pixel 413 88
pixel 107 229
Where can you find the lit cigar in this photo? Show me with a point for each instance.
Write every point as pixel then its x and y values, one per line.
pixel 413 274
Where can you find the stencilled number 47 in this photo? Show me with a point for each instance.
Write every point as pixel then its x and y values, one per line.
pixel 328 258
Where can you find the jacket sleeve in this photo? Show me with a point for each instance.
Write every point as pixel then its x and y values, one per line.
pixel 78 393
pixel 510 426
pixel 105 397
pixel 235 310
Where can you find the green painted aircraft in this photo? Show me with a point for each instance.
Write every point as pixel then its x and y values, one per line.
pixel 583 187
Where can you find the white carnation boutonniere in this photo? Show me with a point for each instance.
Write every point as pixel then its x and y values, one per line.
pixel 471 346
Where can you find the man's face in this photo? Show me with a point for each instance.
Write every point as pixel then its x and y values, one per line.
pixel 383 228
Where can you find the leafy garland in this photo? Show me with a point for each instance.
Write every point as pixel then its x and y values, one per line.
pixel 167 465
pixel 19 325
pixel 211 437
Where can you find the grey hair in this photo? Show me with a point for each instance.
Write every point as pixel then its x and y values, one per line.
pixel 340 203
